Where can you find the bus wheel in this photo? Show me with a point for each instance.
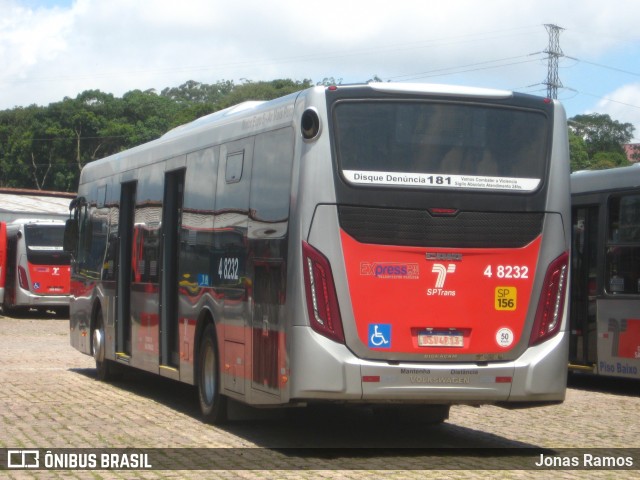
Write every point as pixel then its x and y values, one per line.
pixel 105 369
pixel 213 404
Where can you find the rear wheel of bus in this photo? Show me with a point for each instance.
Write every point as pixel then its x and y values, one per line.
pixel 213 404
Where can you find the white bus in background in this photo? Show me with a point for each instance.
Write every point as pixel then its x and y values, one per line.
pixel 605 286
pixel 384 245
pixel 36 270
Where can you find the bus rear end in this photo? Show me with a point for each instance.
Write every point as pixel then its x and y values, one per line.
pixel 435 248
pixel 38 273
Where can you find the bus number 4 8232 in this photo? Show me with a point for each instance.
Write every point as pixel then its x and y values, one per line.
pixel 228 268
pixel 507 271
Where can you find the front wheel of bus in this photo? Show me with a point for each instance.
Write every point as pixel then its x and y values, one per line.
pixel 105 370
pixel 213 404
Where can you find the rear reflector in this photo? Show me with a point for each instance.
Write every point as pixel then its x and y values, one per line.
pixel 443 212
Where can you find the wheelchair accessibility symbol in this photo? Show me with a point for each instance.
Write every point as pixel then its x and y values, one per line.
pixel 379 335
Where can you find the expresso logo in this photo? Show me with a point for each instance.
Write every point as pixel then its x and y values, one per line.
pixel 403 271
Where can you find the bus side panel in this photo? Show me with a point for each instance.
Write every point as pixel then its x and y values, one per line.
pixel 196 264
pixel 88 268
pixel 618 326
pixel 268 250
pixel 230 274
pixel 3 258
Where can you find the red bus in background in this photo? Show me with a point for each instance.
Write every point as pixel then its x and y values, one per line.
pixel 36 270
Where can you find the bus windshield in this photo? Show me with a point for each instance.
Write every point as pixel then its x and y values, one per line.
pixel 466 146
pixel 44 244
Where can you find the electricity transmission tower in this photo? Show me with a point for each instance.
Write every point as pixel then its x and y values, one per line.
pixel 555 52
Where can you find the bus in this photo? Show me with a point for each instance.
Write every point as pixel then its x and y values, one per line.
pixel 36 268
pixel 396 246
pixel 3 259
pixel 605 270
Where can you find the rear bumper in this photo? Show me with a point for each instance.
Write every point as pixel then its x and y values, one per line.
pixel 322 369
pixel 28 299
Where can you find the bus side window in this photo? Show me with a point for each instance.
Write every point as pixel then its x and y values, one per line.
pixel 623 248
pixel 235 162
pixel 70 242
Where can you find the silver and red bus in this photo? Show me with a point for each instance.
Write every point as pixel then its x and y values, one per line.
pixel 34 268
pixel 605 269
pixel 3 259
pixel 382 244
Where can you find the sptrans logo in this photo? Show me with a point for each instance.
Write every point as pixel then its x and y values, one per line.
pixel 441 278
pixel 393 270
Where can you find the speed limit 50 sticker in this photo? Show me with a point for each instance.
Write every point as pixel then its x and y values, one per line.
pixel 506 298
pixel 504 337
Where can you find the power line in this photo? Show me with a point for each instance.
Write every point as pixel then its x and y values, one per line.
pixel 606 99
pixel 307 57
pixel 455 70
pixel 616 69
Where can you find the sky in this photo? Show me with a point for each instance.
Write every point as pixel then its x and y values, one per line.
pixel 52 49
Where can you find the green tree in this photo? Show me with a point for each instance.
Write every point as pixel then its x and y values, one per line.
pixel 601 133
pixel 328 81
pixel 195 92
pixel 604 160
pixel 262 91
pixel 146 116
pixel 26 157
pixel 578 153
pixel 602 138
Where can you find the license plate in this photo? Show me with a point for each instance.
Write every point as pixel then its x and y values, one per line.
pixel 440 339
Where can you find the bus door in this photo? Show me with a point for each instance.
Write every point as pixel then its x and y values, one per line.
pixel 124 280
pixel 171 222
pixel 584 274
pixel 11 274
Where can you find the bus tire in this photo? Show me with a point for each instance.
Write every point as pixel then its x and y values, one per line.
pixel 105 369
pixel 213 404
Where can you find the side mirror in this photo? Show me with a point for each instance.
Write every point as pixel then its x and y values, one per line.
pixel 70 241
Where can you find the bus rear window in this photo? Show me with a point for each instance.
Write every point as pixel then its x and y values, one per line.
pixel 440 145
pixel 44 244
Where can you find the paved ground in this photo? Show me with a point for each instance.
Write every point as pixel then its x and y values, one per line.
pixel 49 399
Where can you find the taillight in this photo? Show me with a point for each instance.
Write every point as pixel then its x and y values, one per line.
pixel 549 313
pixel 322 301
pixel 22 278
